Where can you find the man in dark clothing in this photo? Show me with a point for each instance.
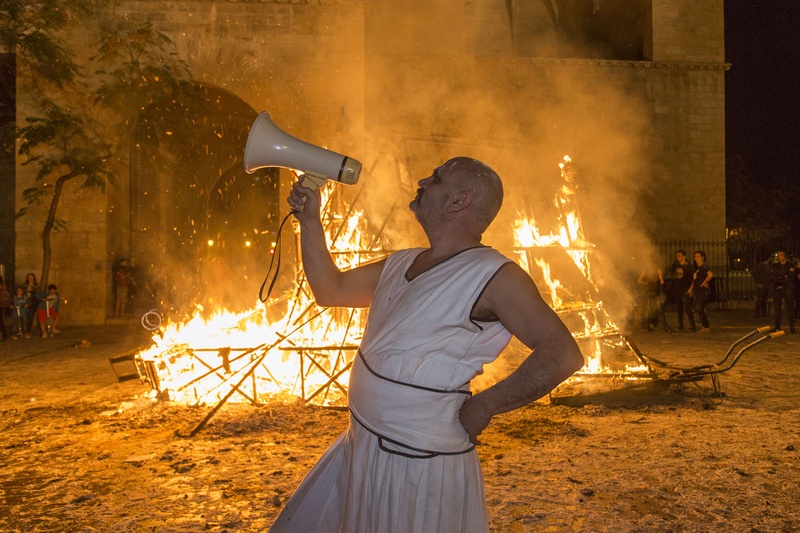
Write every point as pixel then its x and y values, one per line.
pixel 681 274
pixel 784 274
pixel 762 275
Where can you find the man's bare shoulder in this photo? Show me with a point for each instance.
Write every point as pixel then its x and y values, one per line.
pixel 511 286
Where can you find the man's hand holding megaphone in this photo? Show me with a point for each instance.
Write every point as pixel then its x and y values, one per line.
pixel 304 202
pixel 269 146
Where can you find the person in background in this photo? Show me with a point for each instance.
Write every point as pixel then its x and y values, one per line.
pixel 48 306
pixel 133 286
pixel 20 306
pixel 5 303
pixel 121 288
pixel 762 275
pixel 681 274
pixel 31 288
pixel 652 298
pixel 796 291
pixel 700 291
pixel 784 273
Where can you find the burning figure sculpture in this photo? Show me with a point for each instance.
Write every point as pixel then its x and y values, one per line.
pixel 407 462
pixel 567 203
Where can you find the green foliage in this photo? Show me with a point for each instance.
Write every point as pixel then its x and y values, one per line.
pixel 144 72
pixel 58 143
pixel 140 78
pixel 31 27
pixel 753 212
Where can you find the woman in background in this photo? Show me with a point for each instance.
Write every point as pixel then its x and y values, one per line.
pixel 701 288
pixel 31 288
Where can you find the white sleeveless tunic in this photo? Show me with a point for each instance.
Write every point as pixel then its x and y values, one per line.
pixel 405 464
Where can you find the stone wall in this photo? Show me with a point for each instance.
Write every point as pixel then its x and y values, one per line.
pixel 301 60
pixel 414 81
pixel 652 130
pixel 688 31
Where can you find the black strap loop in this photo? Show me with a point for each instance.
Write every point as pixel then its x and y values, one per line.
pixel 277 252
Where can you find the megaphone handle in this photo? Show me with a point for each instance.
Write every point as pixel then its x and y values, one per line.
pixel 312 182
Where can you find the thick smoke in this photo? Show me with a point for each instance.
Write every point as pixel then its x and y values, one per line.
pixel 517 114
pixel 523 134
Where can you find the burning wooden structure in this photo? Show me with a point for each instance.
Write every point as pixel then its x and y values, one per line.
pixel 287 345
pixel 292 346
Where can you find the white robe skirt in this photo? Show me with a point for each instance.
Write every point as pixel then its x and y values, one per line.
pixel 405 464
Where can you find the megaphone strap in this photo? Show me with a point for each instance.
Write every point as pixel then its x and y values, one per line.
pixel 276 253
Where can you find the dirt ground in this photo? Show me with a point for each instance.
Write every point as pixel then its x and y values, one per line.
pixel 82 452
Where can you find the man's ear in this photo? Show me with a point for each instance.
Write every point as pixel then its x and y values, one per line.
pixel 459 201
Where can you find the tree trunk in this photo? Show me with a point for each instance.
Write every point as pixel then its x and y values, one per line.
pixel 48 228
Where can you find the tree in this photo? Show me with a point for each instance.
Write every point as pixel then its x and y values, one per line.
pixel 58 141
pixel 30 29
pixel 757 217
pixel 753 211
pixel 67 145
pixel 70 153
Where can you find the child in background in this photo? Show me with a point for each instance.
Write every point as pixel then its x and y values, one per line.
pixel 49 302
pixel 19 306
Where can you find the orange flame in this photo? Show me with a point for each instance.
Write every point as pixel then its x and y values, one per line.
pixel 589 320
pixel 290 345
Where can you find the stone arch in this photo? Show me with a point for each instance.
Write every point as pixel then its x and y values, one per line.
pixel 198 222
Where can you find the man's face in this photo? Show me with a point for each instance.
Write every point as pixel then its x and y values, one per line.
pixel 781 257
pixel 432 195
pixel 698 259
pixel 680 257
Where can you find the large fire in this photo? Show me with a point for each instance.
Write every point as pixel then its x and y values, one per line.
pixel 580 308
pixel 288 345
pixel 291 346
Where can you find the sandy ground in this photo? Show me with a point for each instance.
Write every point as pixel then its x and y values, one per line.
pixel 80 451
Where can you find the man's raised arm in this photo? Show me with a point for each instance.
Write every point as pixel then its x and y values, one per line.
pixel 513 298
pixel 331 287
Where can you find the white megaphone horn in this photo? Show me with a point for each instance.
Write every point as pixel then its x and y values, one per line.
pixel 269 146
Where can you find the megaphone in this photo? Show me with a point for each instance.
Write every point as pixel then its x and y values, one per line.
pixel 269 146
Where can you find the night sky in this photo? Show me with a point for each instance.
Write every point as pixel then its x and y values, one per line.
pixel 762 44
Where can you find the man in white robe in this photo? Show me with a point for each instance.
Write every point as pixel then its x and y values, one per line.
pixel 407 463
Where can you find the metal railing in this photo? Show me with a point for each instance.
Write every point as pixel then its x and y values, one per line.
pixel 731 261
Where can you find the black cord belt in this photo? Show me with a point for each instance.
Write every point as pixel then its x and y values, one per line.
pixel 421 453
pixel 420 387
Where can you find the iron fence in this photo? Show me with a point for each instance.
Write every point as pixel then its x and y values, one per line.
pixel 732 261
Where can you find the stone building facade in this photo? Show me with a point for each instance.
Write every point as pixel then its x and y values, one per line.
pixel 633 91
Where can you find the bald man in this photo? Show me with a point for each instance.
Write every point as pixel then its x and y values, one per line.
pixel 407 462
